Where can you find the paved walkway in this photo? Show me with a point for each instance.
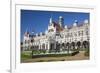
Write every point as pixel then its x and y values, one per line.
pixel 79 56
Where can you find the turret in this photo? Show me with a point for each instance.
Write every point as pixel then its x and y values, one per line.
pixel 61 21
pixel 26 40
pixel 50 21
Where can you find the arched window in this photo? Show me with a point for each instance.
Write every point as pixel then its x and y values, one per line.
pixel 78 33
pixel 82 33
pixel 86 32
pixel 78 44
pixel 75 34
pixel 73 45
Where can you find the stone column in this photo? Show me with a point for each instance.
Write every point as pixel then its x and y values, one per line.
pixel 39 46
pixel 45 46
pixel 48 46
pixel 55 45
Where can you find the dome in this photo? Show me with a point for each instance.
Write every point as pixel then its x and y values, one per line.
pixel 75 23
pixel 36 34
pixel 60 17
pixel 40 33
pixel 86 21
pixel 65 26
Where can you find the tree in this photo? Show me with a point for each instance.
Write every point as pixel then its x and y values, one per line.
pixel 68 47
pixel 32 46
pixel 21 46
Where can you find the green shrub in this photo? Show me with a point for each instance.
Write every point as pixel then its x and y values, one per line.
pixel 25 56
pixel 55 55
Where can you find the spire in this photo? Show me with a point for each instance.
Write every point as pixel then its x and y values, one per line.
pixel 61 21
pixel 26 33
pixel 26 30
pixel 50 21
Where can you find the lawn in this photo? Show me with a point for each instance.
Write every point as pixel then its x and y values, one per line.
pixel 26 57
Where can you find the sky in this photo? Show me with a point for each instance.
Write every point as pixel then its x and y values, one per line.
pixel 38 21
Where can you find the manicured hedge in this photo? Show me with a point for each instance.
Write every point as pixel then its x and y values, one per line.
pixel 55 55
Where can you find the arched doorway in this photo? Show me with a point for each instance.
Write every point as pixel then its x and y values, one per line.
pixel 51 47
pixel 85 44
pixel 78 44
pixel 62 46
pixel 73 45
pixel 43 46
pixel 57 47
pixel 68 46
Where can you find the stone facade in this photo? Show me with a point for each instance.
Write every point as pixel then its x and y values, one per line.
pixel 59 37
